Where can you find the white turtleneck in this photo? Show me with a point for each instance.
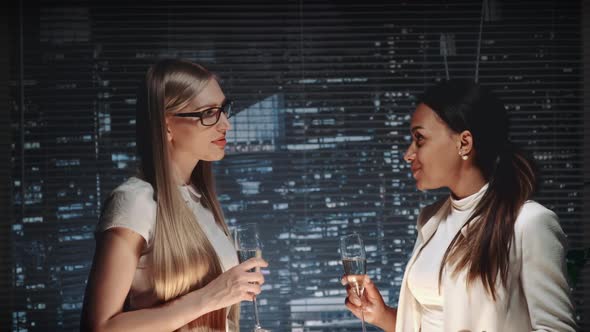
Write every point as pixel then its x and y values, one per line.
pixel 423 275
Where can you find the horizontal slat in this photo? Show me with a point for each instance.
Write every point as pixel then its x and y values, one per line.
pixel 84 60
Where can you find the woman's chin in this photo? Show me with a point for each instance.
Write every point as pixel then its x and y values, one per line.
pixel 419 186
pixel 422 185
pixel 215 155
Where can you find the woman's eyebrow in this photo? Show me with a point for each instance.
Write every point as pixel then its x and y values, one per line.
pixel 415 128
pixel 210 105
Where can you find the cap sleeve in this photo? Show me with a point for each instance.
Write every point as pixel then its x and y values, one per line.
pixel 130 206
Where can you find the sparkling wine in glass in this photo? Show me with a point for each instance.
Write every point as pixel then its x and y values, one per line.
pixel 247 243
pixel 354 261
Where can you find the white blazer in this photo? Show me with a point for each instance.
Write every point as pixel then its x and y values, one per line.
pixel 537 295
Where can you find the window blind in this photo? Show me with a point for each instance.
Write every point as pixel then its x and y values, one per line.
pixel 326 91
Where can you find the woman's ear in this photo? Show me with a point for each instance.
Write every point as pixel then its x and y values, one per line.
pixel 168 131
pixel 465 143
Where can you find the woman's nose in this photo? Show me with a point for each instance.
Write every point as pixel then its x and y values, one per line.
pixel 224 122
pixel 410 155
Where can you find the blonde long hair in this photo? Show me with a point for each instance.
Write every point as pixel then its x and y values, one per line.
pixel 181 257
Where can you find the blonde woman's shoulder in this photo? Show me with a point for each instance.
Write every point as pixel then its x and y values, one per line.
pixel 131 205
pixel 135 185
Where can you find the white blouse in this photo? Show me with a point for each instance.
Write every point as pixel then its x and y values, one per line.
pixel 132 206
pixel 423 276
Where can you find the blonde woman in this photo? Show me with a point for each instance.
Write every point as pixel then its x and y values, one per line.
pixel 164 260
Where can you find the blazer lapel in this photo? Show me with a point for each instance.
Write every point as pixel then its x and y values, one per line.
pixel 409 319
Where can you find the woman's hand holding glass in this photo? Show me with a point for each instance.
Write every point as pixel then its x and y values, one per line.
pixel 240 283
pixel 371 304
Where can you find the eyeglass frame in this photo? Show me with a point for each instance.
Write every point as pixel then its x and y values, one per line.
pixel 226 108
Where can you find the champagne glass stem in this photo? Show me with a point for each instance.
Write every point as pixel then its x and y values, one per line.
pixel 363 320
pixel 257 326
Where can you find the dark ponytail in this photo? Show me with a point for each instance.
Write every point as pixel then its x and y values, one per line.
pixel 484 253
pixel 514 175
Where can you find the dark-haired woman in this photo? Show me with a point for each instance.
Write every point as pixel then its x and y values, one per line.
pixel 487 258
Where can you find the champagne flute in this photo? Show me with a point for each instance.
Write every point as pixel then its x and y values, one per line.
pixel 354 261
pixel 247 243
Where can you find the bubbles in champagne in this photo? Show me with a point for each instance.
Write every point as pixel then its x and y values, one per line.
pixel 246 254
pixel 355 268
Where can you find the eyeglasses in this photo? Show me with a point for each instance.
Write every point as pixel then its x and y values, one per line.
pixel 210 116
